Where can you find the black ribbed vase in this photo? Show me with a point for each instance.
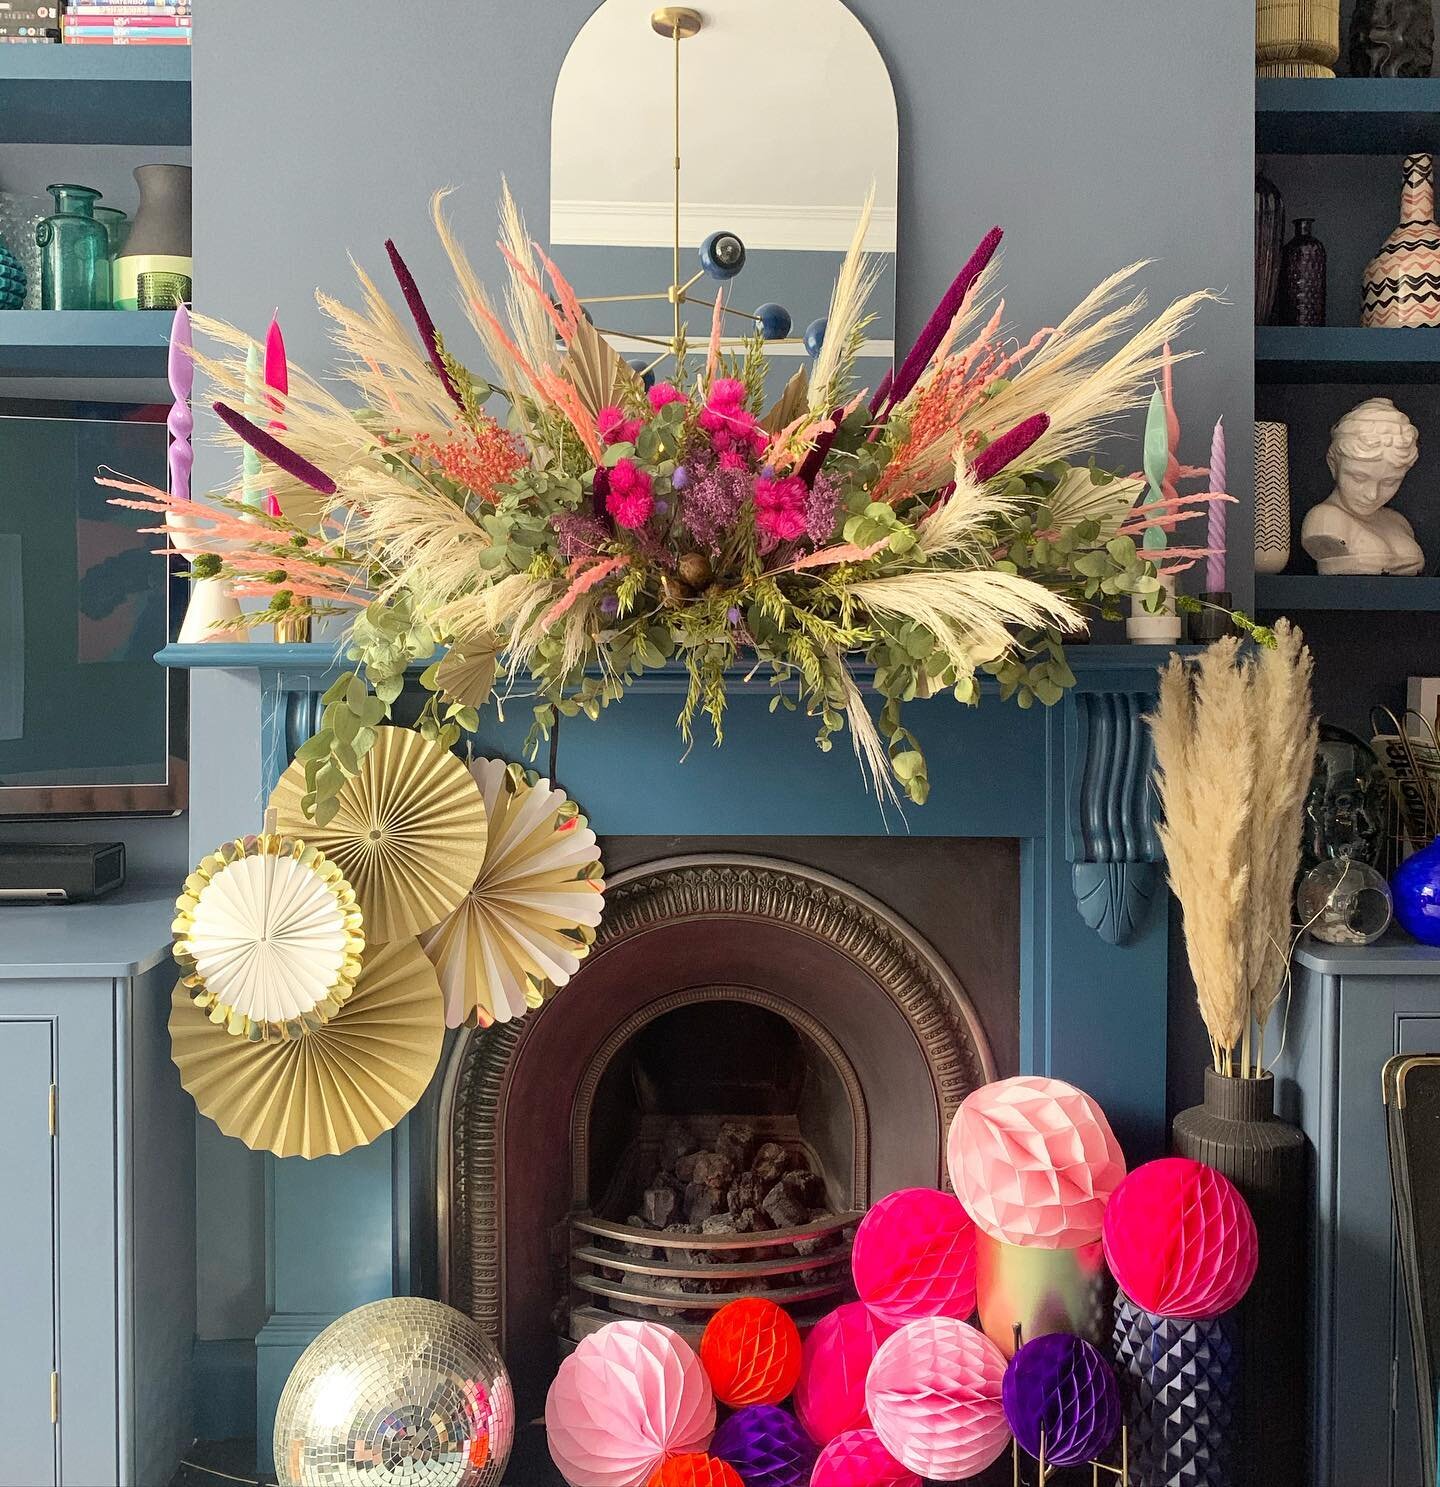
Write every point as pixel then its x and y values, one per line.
pixel 1236 1131
pixel 1302 277
pixel 1269 244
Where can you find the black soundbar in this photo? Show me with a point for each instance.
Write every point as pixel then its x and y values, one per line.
pixel 60 873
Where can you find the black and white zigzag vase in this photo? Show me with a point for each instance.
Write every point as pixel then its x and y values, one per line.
pixel 1178 1380
pixel 1402 283
pixel 1272 497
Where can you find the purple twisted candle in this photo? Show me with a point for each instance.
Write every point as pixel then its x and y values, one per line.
pixel 181 422
pixel 1215 523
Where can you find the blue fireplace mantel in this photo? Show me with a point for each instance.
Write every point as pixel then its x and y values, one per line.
pixel 1070 783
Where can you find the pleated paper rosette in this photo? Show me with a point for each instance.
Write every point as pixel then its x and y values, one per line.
pixel 409 832
pixel 858 1458
pixel 1180 1240
pixel 1034 1161
pixel 269 936
pixel 830 1394
pixel 329 1088
pixel 1063 1389
pixel 528 918
pixel 628 1398
pixel 934 1396
pixel 751 1351
pixel 914 1256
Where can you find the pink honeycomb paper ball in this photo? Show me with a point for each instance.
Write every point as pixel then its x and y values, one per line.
pixel 629 1397
pixel 935 1398
pixel 856 1458
pixel 1180 1240
pixel 914 1256
pixel 830 1397
pixel 1034 1161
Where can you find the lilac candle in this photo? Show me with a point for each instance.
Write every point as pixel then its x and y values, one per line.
pixel 181 422
pixel 1215 525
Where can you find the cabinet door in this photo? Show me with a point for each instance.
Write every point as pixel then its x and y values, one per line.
pixel 27 1254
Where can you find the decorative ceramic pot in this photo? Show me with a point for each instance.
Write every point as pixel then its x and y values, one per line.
pixel 1041 1291
pixel 1272 497
pixel 1269 241
pixel 1392 38
pixel 1416 891
pixel 1236 1132
pixel 12 281
pixel 1177 1381
pixel 1302 277
pixel 1402 283
pixel 159 239
pixel 1296 38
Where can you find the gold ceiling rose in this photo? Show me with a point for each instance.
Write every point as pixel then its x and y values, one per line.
pixel 329 1088
pixel 530 917
pixel 677 21
pixel 409 833
pixel 269 936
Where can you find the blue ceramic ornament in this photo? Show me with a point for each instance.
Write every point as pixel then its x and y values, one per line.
pixel 1416 889
pixel 12 281
pixel 642 369
pixel 722 255
pixel 774 321
pixel 1062 1387
pixel 815 334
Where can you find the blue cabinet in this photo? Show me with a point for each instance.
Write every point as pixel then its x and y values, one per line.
pixel 97 1227
pixel 1352 1008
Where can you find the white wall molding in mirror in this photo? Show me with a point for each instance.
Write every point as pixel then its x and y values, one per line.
pixel 650 224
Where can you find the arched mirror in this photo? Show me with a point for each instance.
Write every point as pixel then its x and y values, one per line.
pixel 785 117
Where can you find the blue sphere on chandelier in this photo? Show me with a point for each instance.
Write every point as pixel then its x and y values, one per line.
pixel 722 255
pixel 773 321
pixel 815 335
pixel 642 369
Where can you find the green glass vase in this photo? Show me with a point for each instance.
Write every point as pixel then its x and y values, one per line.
pixel 74 253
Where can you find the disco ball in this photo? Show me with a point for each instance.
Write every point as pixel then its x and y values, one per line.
pixel 400 1393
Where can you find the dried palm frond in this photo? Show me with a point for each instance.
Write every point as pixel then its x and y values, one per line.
pixel 790 405
pixel 844 326
pixel 1080 497
pixel 600 374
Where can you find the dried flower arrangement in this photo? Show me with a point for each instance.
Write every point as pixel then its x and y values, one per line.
pixel 1235 740
pixel 601 528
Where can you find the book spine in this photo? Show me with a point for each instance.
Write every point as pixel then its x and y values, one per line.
pixel 164 30
pixel 29 33
pixel 29 40
pixel 119 40
pixel 162 23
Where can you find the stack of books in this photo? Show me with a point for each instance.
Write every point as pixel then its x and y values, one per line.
pixel 26 21
pixel 126 22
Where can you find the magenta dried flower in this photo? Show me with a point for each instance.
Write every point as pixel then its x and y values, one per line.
pixel 821 505
pixel 578 535
pixel 712 504
pixel 424 325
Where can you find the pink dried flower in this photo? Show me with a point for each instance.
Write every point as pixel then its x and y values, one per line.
pixel 578 534
pixel 712 503
pixel 731 459
pixel 615 428
pixel 821 504
pixel 726 419
pixel 780 507
pixel 663 393
pixel 631 497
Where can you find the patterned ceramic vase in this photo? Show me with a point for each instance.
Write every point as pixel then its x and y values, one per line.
pixel 1296 38
pixel 1402 283
pixel 1302 277
pixel 1272 497
pixel 1392 38
pixel 12 281
pixel 1269 243
pixel 1177 1380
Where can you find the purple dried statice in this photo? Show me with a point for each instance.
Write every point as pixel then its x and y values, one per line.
pixel 712 501
pixel 579 535
pixel 821 504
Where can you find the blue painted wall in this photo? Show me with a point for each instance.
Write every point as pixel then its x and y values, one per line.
pixel 1097 131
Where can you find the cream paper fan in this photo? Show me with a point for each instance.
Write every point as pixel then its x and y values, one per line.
pixel 530 917
pixel 329 1088
pixel 268 933
pixel 409 834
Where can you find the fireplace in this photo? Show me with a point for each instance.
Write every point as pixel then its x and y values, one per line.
pixel 755 1050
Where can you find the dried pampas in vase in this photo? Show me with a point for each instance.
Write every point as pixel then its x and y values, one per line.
pixel 1235 741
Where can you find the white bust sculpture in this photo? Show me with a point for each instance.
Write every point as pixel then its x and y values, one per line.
pixel 1371 450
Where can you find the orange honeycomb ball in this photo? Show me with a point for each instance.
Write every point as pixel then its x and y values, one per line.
pixel 751 1350
pixel 695 1469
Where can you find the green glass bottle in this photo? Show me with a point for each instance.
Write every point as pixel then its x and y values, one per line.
pixel 74 253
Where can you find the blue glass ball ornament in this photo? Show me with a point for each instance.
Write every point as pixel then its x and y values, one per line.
pixel 815 335
pixel 1416 889
pixel 722 255
pixel 774 321
pixel 12 280
pixel 643 370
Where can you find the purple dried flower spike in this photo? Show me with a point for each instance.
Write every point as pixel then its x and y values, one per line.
pixel 429 336
pixel 1008 447
pixel 273 450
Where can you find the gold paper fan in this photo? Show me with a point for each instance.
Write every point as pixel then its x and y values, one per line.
pixel 409 834
pixel 530 917
pixel 268 933
pixel 330 1088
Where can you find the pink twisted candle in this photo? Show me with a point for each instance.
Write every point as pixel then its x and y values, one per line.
pixel 277 379
pixel 181 422
pixel 1215 523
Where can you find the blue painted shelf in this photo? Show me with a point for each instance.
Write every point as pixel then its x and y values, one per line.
pixel 93 95
pixel 1345 353
pixel 1347 115
pixel 1289 593
pixel 83 343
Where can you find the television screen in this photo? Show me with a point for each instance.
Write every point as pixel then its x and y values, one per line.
pixel 89 724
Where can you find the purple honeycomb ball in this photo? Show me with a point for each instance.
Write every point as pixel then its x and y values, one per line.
pixel 767 1446
pixel 1064 1387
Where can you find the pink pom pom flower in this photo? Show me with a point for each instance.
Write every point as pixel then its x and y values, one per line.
pixel 914 1256
pixel 857 1458
pixel 935 1398
pixel 631 496
pixel 830 1396
pixel 1034 1161
pixel 663 393
pixel 1180 1240
pixel 615 428
pixel 780 507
